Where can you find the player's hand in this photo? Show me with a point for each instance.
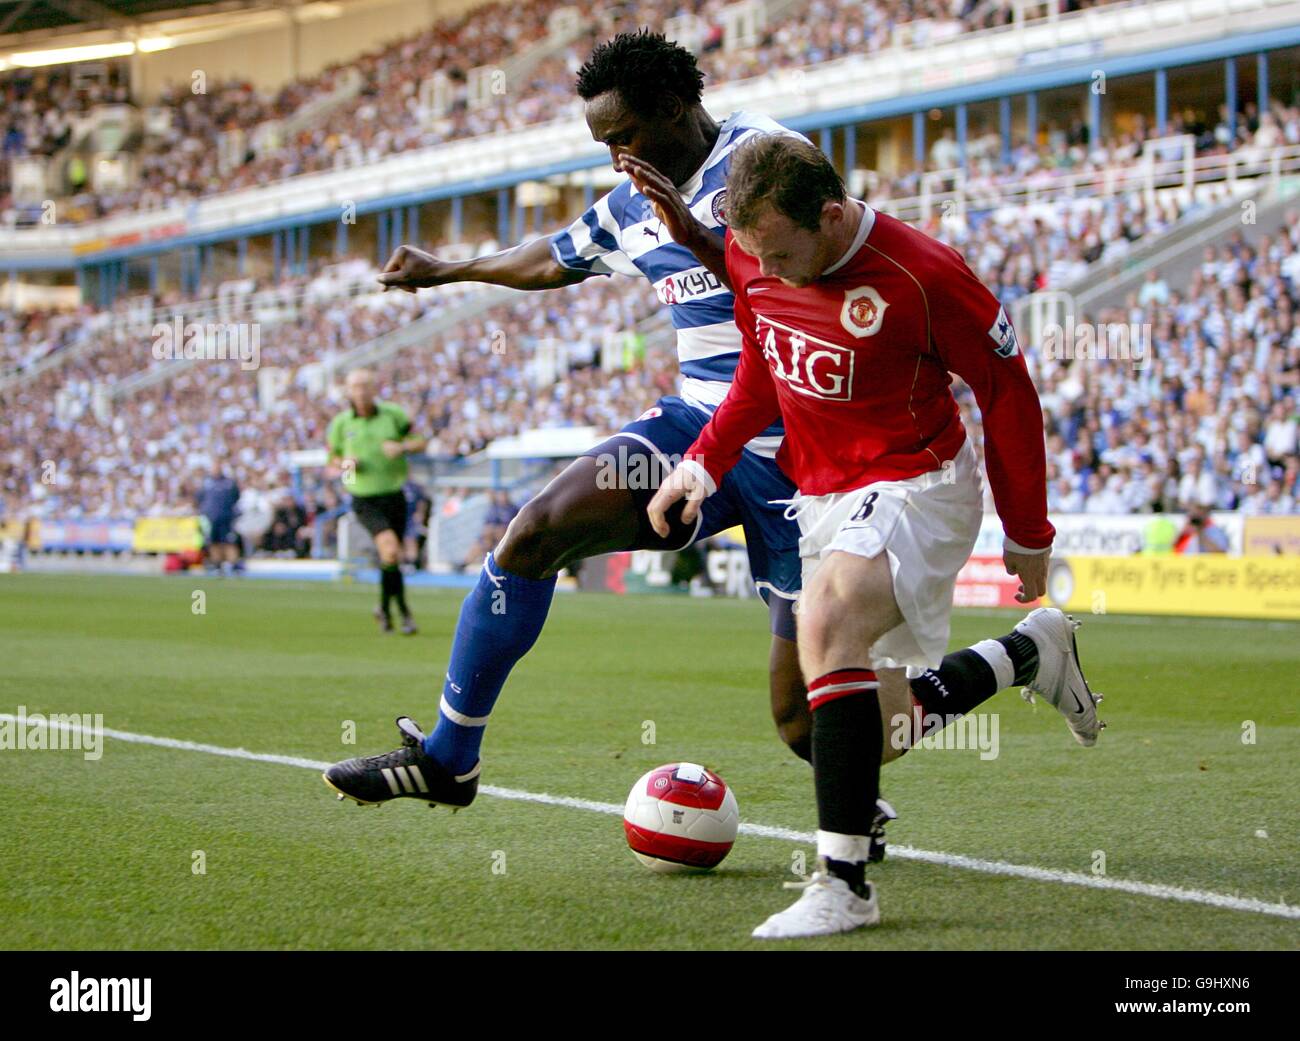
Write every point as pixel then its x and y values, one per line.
pixel 345 469
pixel 682 483
pixel 666 201
pixel 1032 570
pixel 393 449
pixel 411 269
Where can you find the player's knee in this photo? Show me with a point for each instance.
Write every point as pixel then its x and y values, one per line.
pixel 533 542
pixel 387 548
pixel 819 619
pixel 848 611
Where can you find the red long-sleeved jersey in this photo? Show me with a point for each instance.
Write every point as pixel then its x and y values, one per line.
pixel 857 364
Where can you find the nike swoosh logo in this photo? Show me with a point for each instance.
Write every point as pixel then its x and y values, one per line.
pixel 758 289
pixel 1076 700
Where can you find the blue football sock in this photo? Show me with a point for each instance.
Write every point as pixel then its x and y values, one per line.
pixel 499 622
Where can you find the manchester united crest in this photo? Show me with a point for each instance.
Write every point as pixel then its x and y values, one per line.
pixel 863 311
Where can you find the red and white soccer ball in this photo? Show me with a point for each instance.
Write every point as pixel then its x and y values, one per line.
pixel 681 817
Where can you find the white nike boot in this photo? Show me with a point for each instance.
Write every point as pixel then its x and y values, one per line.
pixel 1059 679
pixel 826 906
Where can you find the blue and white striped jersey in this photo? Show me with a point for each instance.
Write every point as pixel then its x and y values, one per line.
pixel 621 234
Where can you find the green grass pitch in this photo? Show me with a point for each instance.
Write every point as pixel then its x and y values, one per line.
pixel 101 854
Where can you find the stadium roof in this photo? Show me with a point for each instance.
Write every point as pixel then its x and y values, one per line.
pixel 54 16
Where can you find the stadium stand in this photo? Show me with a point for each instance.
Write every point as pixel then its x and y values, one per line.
pixel 1210 420
pixel 464 393
pixel 386 110
pixel 1218 398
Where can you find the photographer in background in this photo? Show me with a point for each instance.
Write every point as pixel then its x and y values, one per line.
pixel 1200 534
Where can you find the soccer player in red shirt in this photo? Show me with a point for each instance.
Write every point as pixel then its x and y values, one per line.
pixel 851 322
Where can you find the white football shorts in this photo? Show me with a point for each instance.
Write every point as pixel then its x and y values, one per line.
pixel 927 525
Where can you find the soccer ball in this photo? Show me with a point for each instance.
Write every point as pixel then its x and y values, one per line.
pixel 680 817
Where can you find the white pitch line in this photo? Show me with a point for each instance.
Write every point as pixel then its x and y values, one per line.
pixel 1222 901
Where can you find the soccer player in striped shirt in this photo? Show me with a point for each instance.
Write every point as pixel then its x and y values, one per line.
pixel 643 99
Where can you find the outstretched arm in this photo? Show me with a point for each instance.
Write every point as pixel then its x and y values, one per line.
pixel 528 266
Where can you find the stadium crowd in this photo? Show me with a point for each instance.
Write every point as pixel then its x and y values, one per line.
pixel 40 110
pixel 1014 256
pixel 492 376
pixel 1208 419
pixel 387 114
pixel 1208 416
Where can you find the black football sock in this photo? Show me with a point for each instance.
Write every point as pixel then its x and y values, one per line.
pixel 968 678
pixel 387 586
pixel 962 681
pixel 1023 653
pixel 846 740
pixel 399 590
pixel 854 872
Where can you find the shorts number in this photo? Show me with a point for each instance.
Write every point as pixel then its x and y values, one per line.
pixel 864 511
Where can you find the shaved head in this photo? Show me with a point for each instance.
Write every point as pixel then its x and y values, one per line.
pixel 360 389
